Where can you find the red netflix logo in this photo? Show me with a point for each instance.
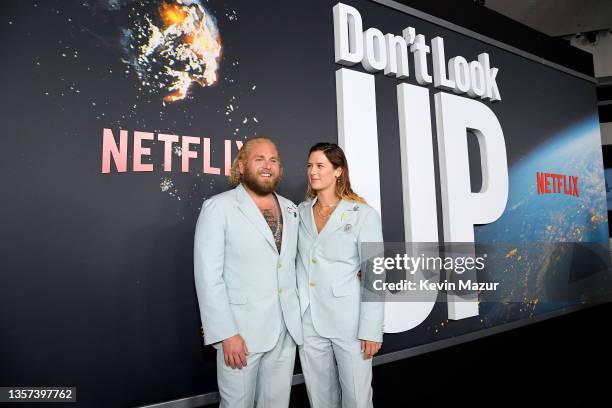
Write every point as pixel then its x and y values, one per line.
pixel 557 183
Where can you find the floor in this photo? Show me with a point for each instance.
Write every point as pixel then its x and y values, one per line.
pixel 563 361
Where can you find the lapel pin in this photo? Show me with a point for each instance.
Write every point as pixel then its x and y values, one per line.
pixel 343 216
pixel 347 227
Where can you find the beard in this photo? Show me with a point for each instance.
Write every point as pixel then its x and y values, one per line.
pixel 258 186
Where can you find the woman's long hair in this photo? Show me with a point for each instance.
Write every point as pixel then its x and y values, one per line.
pixel 335 155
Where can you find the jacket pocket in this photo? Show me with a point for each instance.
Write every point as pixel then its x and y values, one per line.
pixel 345 288
pixel 237 298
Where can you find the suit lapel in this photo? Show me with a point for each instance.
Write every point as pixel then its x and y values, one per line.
pixel 307 219
pixel 342 215
pixel 249 209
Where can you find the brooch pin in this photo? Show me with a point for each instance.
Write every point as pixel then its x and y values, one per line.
pixel 356 208
pixel 347 227
pixel 292 210
pixel 344 216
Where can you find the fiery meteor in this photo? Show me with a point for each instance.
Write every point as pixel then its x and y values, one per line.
pixel 179 46
pixel 172 14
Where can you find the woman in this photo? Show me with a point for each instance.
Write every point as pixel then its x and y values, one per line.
pixel 338 325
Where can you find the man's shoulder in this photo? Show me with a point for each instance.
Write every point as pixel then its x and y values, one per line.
pixel 221 199
pixel 286 202
pixel 225 195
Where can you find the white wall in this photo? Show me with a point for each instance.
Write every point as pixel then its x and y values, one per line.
pixel 602 62
pixel 606 133
pixel 601 50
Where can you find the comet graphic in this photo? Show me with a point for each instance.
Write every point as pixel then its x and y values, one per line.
pixel 172 47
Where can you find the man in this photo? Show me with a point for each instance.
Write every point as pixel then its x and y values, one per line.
pixel 244 264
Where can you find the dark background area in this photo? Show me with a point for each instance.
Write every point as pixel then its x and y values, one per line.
pixel 607 159
pixel 469 14
pixel 97 284
pixel 562 361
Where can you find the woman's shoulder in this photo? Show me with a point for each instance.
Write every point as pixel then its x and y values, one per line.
pixel 305 203
pixel 363 212
pixel 359 207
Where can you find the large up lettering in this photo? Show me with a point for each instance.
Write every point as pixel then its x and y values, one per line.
pixel 455 116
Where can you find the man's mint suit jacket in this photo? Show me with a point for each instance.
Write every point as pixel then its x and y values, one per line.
pixel 244 286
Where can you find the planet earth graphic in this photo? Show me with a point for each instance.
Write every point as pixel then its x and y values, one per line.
pixel 550 251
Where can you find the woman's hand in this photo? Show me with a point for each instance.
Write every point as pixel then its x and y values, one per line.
pixel 369 348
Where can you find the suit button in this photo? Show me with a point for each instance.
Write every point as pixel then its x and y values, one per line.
pixel 311 284
pixel 314 260
pixel 280 265
pixel 280 290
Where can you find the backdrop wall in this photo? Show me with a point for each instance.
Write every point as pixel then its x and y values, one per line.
pixel 97 236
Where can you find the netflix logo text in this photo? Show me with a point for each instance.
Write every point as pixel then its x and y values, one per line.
pixel 552 183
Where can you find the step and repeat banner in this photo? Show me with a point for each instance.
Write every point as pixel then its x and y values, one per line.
pixel 121 117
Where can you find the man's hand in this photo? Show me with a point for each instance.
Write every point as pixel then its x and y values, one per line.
pixel 235 351
pixel 369 348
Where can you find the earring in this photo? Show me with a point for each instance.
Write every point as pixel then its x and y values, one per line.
pixel 338 180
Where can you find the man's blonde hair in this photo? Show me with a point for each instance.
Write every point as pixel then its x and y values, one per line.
pixel 235 177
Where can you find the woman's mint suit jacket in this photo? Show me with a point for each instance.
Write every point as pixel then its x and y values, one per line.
pixel 327 265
